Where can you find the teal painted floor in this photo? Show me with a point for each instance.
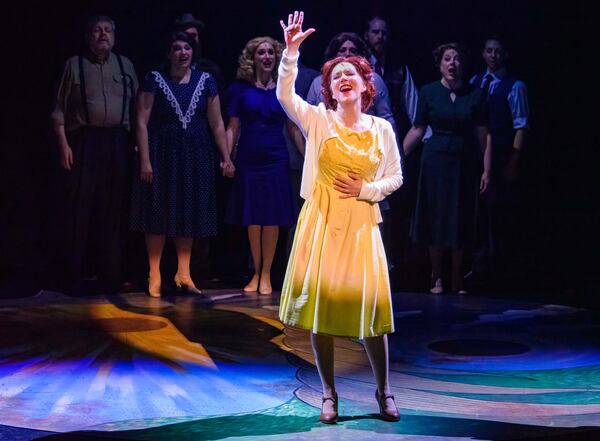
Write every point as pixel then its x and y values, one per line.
pixel 223 367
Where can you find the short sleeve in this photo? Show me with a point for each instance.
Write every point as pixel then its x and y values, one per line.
pixel 422 113
pixel 210 86
pixel 234 94
pixel 63 90
pixel 149 84
pixel 130 70
pixel 519 105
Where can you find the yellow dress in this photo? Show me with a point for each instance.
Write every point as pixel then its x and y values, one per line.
pixel 336 281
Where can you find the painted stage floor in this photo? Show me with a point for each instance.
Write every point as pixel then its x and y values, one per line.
pixel 187 368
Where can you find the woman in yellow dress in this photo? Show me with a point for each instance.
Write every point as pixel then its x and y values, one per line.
pixel 337 282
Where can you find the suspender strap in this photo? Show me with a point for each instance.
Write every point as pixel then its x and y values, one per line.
pixel 124 88
pixel 84 94
pixel 82 90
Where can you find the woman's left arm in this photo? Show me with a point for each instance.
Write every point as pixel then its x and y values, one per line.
pixel 217 127
pixel 485 142
pixel 392 179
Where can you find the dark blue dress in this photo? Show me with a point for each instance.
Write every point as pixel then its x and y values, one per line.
pixel 180 201
pixel 261 193
pixel 451 166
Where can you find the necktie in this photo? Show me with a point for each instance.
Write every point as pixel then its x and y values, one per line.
pixel 485 86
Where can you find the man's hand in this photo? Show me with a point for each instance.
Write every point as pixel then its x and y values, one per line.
pixel 66 157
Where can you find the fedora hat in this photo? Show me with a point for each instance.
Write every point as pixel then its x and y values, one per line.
pixel 187 20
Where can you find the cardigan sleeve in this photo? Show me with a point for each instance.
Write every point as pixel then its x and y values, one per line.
pixel 391 179
pixel 298 110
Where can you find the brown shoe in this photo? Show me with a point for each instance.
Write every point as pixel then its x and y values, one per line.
pixel 330 417
pixel 386 414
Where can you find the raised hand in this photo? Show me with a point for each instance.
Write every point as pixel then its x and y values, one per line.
pixel 293 34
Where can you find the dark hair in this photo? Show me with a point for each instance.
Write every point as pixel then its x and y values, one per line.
pixel 499 38
pixel 373 18
pixel 181 36
pixel 438 52
pixel 94 20
pixel 338 40
pixel 177 36
pixel 364 69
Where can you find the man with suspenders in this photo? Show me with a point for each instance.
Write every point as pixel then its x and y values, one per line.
pixel 92 122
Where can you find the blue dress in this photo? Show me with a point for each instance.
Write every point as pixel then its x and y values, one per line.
pixel 180 201
pixel 261 193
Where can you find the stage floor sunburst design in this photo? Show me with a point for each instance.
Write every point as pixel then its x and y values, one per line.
pixel 134 367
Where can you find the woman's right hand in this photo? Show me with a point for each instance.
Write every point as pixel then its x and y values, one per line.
pixel 227 168
pixel 146 172
pixel 293 34
pixel 66 157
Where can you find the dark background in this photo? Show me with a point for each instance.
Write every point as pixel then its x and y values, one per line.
pixel 552 51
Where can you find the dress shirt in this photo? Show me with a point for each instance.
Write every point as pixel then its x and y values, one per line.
pixel 104 93
pixel 517 98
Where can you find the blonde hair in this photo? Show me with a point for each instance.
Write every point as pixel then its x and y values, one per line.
pixel 246 69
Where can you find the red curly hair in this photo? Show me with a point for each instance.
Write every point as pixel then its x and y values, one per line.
pixel 363 67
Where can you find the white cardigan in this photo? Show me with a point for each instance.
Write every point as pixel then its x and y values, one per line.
pixel 318 124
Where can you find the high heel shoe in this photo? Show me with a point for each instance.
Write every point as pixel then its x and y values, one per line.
pixel 154 285
pixel 330 417
pixel 437 287
pixel 186 284
pixel 384 412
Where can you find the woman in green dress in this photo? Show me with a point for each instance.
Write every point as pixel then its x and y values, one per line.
pixel 451 164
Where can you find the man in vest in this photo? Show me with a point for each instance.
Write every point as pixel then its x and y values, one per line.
pixel 508 122
pixel 92 121
pixel 403 98
pixel 397 76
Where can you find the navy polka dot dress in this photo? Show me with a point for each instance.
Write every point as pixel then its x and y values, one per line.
pixel 180 201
